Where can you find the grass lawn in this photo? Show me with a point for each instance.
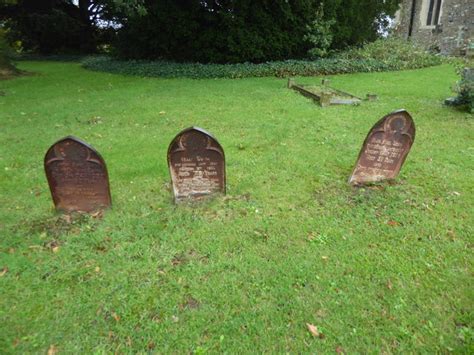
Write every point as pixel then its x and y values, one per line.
pixel 386 269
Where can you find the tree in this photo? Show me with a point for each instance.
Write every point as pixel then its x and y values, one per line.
pixel 218 31
pixel 358 21
pixel 248 30
pixel 7 68
pixel 47 26
pixel 58 26
pixel 320 34
pixel 197 30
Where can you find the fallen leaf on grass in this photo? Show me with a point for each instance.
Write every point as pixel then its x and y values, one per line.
pixel 52 350
pixel 98 214
pixel 190 303
pixel 179 259
pixel 393 223
pixel 339 350
pixel 314 331
pixel 4 271
pixel 52 245
pixel 389 284
pixel 115 316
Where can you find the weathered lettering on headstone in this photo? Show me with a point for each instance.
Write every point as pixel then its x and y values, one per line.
pixel 77 176
pixel 385 149
pixel 197 165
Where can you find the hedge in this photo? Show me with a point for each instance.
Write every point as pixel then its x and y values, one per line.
pixel 331 66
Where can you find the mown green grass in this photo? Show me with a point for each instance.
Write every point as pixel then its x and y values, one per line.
pixel 387 269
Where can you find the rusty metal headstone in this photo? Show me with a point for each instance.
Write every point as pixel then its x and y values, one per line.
pixel 385 149
pixel 77 176
pixel 197 165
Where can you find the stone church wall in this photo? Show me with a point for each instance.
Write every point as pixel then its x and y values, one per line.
pixel 451 35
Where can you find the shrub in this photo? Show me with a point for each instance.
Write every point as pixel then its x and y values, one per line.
pixel 221 32
pixel 368 59
pixel 202 71
pixel 406 54
pixel 247 30
pixel 319 34
pixel 50 32
pixel 7 68
pixel 382 55
pixel 465 91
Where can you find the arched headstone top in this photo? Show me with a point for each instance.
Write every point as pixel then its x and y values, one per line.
pixel 197 164
pixel 68 148
pixel 385 149
pixel 201 139
pixel 397 122
pixel 77 176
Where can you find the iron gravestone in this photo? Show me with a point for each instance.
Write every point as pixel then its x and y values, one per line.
pixel 197 165
pixel 385 149
pixel 77 176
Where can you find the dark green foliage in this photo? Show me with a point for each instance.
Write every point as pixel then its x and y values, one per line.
pixel 206 31
pixel 247 30
pixel 319 34
pixel 358 21
pixel 326 66
pixel 225 31
pixel 48 33
pixel 50 26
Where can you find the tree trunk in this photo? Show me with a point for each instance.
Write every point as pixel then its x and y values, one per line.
pixel 84 11
pixel 7 69
pixel 87 33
